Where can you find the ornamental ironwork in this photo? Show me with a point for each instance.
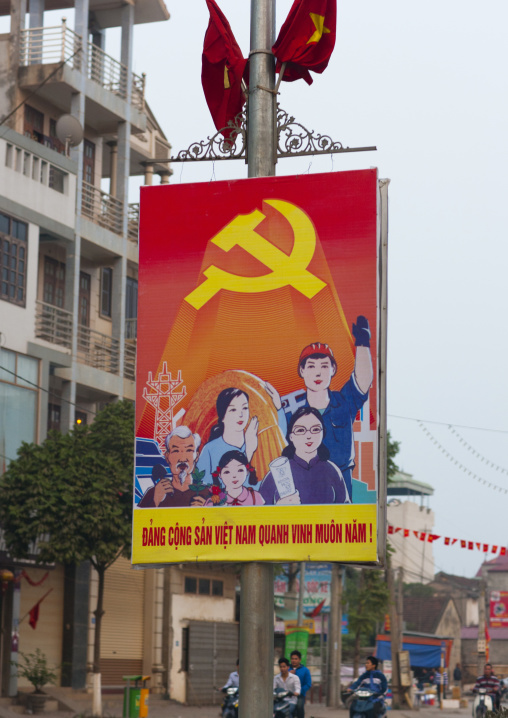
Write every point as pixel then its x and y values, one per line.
pixel 293 140
pixel 218 147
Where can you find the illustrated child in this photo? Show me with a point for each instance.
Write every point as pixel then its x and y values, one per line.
pixel 316 480
pixel 231 473
pixel 317 367
pixel 233 429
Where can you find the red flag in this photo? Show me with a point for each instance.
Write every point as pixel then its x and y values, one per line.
pixel 317 609
pixel 34 615
pixel 306 39
pixel 390 529
pixel 502 551
pixel 223 67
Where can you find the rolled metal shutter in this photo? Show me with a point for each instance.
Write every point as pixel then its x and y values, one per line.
pixel 212 655
pixel 122 623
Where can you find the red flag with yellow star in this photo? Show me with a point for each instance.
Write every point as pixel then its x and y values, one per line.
pixel 306 39
pixel 222 70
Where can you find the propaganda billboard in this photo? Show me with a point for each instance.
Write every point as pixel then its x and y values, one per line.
pixel 258 399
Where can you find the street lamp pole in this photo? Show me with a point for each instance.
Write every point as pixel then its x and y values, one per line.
pixel 256 600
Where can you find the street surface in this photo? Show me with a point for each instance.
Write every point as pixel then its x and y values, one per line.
pixel 80 704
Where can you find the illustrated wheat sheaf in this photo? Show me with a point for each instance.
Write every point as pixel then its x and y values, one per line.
pixel 201 414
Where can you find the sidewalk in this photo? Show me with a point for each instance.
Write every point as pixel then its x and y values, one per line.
pixel 74 703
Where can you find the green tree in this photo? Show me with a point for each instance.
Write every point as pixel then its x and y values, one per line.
pixel 393 449
pixel 72 495
pixel 367 599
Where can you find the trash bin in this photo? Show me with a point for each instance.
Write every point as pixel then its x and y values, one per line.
pixel 135 697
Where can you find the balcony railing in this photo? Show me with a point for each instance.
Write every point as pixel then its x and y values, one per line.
pixel 53 324
pixel 43 45
pixel 131 328
pixel 133 222
pixel 103 209
pixel 94 349
pixel 47 45
pixel 129 369
pixel 98 350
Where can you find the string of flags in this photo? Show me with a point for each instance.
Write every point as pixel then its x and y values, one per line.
pixel 460 465
pixel 473 451
pixel 463 543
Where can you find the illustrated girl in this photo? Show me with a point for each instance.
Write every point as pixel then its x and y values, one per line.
pixel 234 428
pixel 316 479
pixel 228 487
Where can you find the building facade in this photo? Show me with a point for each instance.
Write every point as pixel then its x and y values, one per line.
pixel 68 310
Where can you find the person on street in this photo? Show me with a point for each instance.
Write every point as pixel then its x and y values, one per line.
pixel 303 674
pixel 491 683
pixel 234 679
pixel 457 675
pixel 287 681
pixel 374 680
pixel 441 679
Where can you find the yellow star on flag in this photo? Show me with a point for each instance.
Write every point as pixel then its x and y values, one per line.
pixel 319 24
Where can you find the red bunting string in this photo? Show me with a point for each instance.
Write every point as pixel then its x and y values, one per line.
pixel 430 538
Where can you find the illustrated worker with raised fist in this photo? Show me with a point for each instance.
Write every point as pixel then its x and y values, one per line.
pixel 317 367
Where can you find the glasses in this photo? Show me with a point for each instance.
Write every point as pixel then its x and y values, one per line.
pixel 301 430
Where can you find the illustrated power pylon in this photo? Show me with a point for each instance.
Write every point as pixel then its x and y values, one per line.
pixel 162 396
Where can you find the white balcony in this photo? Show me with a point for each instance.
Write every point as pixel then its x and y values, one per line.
pixel 94 349
pixel 51 45
pixel 102 208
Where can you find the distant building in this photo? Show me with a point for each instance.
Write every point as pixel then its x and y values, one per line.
pixel 414 556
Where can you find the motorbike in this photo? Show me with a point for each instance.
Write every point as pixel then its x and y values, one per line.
pixel 230 703
pixel 482 703
pixel 365 700
pixel 281 703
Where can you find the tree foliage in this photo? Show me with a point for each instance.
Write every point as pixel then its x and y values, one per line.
pixel 367 597
pixel 393 449
pixel 73 493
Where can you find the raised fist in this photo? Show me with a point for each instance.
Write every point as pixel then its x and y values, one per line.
pixel 361 332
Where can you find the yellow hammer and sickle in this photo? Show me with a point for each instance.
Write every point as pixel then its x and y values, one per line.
pixel 286 270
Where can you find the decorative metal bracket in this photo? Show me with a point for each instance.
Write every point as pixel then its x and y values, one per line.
pixel 293 140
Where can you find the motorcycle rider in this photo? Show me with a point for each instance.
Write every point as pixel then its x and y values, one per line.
pixel 287 681
pixel 303 674
pixel 373 680
pixel 491 683
pixel 234 678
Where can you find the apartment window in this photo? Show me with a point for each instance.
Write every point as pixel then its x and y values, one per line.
pixel 190 584
pixel 203 586
pixel 106 291
pixel 13 258
pixel 19 393
pixel 54 282
pixel 57 179
pixel 54 417
pixel 217 588
pixel 34 124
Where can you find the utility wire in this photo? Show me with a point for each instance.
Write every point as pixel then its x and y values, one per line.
pixel 41 84
pixel 48 391
pixel 447 423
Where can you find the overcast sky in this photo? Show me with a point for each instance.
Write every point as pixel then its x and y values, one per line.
pixel 425 83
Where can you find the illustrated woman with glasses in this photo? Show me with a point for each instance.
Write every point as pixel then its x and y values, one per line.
pixel 317 480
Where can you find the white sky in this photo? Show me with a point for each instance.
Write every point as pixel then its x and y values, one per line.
pixel 425 83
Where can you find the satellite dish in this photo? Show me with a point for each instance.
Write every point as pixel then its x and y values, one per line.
pixel 69 131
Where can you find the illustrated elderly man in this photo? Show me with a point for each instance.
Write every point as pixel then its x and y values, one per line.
pixel 181 455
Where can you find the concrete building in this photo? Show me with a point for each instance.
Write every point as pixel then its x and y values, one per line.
pixel 414 556
pixel 68 312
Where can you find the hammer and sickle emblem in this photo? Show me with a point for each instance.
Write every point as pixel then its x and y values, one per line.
pixel 285 270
